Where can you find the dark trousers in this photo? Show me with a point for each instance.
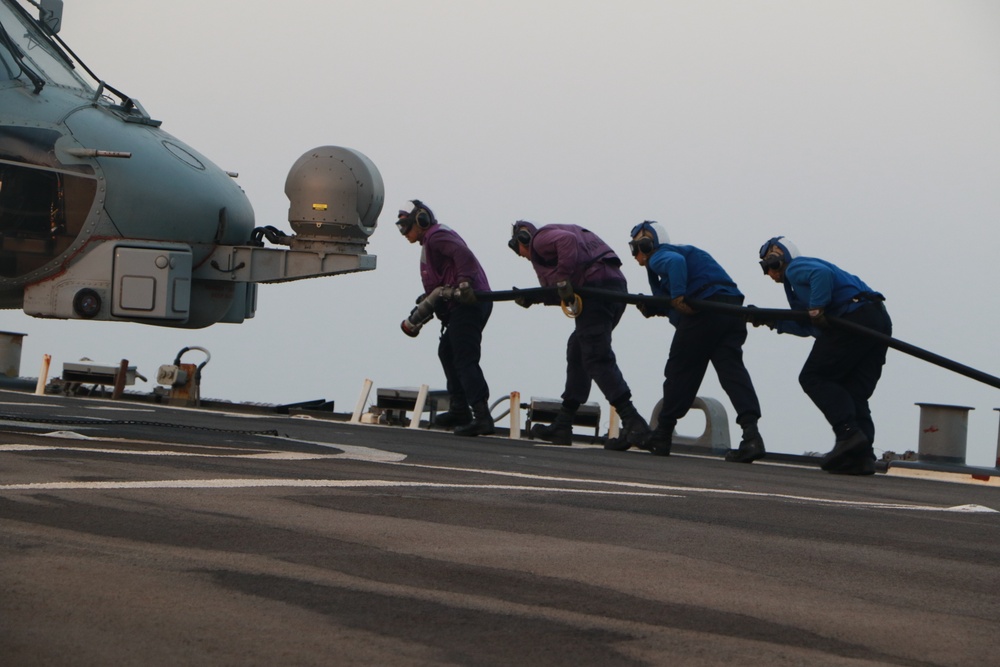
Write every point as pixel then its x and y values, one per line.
pixel 701 339
pixel 589 357
pixel 843 368
pixel 460 349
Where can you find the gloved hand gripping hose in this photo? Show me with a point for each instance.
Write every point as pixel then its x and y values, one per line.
pixel 423 312
pixel 569 301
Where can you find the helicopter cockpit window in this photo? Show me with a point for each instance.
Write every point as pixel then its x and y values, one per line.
pixel 37 52
pixel 41 214
pixel 8 68
pixel 43 203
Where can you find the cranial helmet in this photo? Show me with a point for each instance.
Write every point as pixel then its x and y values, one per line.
pixel 789 251
pixel 656 236
pixel 521 234
pixel 421 216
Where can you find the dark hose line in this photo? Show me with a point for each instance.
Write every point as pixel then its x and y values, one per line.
pixel 757 314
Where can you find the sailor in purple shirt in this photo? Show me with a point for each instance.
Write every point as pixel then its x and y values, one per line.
pixel 445 260
pixel 574 254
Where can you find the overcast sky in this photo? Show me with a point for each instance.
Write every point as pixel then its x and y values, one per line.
pixel 867 132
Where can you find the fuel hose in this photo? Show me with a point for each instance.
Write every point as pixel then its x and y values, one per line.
pixel 535 295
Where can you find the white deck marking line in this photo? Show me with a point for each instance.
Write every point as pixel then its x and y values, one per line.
pixel 368 454
pixel 302 483
pixel 279 456
pixel 362 453
pixel 363 484
pixel 350 452
pixel 353 452
pixel 68 435
pixel 707 491
pixel 30 405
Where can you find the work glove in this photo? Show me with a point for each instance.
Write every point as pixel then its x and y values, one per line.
pixel 681 307
pixel 465 294
pixel 649 310
pixel 756 319
pixel 818 319
pixel 522 301
pixel 653 308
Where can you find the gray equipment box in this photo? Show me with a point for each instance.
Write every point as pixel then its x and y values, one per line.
pixel 152 282
pixel 544 411
pixel 404 399
pixel 90 373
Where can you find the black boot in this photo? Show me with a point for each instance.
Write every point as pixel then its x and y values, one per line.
pixel 659 441
pixel 634 428
pixel 458 414
pixel 481 424
pixel 559 432
pixel 861 462
pixel 634 431
pixel 751 446
pixel 851 442
pixel 620 443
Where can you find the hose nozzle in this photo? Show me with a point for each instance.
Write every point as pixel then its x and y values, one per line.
pixel 412 329
pixel 420 315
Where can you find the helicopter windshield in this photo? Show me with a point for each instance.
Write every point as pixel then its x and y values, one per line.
pixel 20 36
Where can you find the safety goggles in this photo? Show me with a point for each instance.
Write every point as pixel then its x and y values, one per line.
pixel 405 223
pixel 643 245
pixel 521 236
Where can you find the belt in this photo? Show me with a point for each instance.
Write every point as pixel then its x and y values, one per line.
pixel 726 298
pixel 874 297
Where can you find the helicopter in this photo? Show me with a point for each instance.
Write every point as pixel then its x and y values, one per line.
pixel 106 216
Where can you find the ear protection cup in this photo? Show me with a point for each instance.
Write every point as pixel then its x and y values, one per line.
pixel 424 220
pixel 520 236
pixel 769 262
pixel 421 214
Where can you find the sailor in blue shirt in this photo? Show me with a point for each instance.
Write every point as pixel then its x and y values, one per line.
pixel 843 367
pixel 682 272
